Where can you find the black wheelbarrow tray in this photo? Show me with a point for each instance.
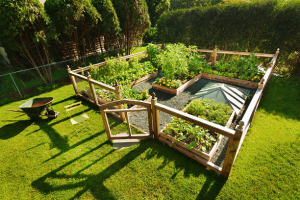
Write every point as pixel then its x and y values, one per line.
pixel 35 107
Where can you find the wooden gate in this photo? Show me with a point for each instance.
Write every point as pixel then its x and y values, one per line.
pixel 104 109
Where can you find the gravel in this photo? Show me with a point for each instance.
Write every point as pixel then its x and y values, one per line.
pixel 140 119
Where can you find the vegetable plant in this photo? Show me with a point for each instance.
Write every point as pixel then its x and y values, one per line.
pixel 196 136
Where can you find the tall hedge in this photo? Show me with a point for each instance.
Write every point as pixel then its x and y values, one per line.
pixel 246 26
pixel 25 30
pixel 73 20
pixel 110 25
pixel 134 20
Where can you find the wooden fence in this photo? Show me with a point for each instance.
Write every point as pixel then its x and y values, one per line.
pixel 236 136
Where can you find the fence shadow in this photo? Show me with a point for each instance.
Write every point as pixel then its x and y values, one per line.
pixel 95 183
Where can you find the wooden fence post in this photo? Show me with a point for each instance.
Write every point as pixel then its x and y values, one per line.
pixel 72 80
pixel 232 150
pixel 155 116
pixel 118 93
pixel 214 56
pixel 92 89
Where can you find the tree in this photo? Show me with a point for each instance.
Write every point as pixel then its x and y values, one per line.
pixel 25 32
pixel 134 20
pixel 110 25
pixel 156 8
pixel 73 20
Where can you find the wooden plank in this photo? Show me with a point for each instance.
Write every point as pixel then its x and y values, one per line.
pixel 128 124
pixel 214 56
pixel 208 164
pixel 155 116
pixel 125 110
pixel 73 81
pixel 106 124
pixel 135 136
pixel 197 121
pixel 246 53
pixel 231 153
pixel 150 121
pixel 138 106
pixel 120 106
pixel 236 53
pixel 125 101
pixel 102 85
pixel 92 90
pixel 233 81
pixel 178 90
pixel 78 76
pixel 144 79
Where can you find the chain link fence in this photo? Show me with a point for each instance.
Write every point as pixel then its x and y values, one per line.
pixel 28 82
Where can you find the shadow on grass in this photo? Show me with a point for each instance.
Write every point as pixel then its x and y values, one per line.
pixel 94 183
pixel 282 97
pixel 13 129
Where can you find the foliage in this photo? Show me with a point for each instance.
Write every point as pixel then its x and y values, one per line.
pixel 173 61
pixel 153 51
pixel 73 21
pixel 25 33
pixel 122 71
pixel 110 25
pixel 168 82
pixel 88 167
pixel 156 8
pixel 257 26
pixel 242 68
pixel 196 136
pixel 134 20
pixel 217 112
pixel 180 4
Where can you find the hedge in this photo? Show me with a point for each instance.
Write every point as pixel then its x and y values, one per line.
pixel 260 26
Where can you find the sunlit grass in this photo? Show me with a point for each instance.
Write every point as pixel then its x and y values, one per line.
pixel 47 160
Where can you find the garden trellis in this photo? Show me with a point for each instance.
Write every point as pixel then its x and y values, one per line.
pixel 236 136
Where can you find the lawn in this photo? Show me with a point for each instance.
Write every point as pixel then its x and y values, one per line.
pixel 47 160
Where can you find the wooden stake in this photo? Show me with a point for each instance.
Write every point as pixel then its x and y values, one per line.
pixel 232 150
pixel 155 116
pixel 118 93
pixel 92 89
pixel 72 80
pixel 214 56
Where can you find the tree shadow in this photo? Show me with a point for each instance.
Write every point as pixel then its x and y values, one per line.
pixel 94 183
pixel 11 130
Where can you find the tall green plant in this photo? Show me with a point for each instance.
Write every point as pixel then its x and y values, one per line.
pixel 110 25
pixel 134 20
pixel 156 8
pixel 255 26
pixel 73 21
pixel 25 30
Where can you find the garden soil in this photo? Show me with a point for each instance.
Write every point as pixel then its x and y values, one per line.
pixel 140 119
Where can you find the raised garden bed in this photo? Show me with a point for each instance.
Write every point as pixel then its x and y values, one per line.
pixel 206 155
pixel 191 137
pixel 176 91
pixel 144 79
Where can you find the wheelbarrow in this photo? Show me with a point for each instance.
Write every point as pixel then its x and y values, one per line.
pixel 35 107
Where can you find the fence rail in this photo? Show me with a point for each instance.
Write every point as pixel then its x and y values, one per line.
pixel 21 83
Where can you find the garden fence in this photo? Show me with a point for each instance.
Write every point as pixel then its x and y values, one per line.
pixel 21 84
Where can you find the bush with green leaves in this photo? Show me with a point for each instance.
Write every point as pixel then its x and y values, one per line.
pixel 122 71
pixel 25 32
pixel 252 26
pixel 196 136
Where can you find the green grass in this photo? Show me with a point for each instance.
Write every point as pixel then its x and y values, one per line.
pixel 47 160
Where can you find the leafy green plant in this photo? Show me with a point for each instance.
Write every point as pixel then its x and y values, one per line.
pixel 196 136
